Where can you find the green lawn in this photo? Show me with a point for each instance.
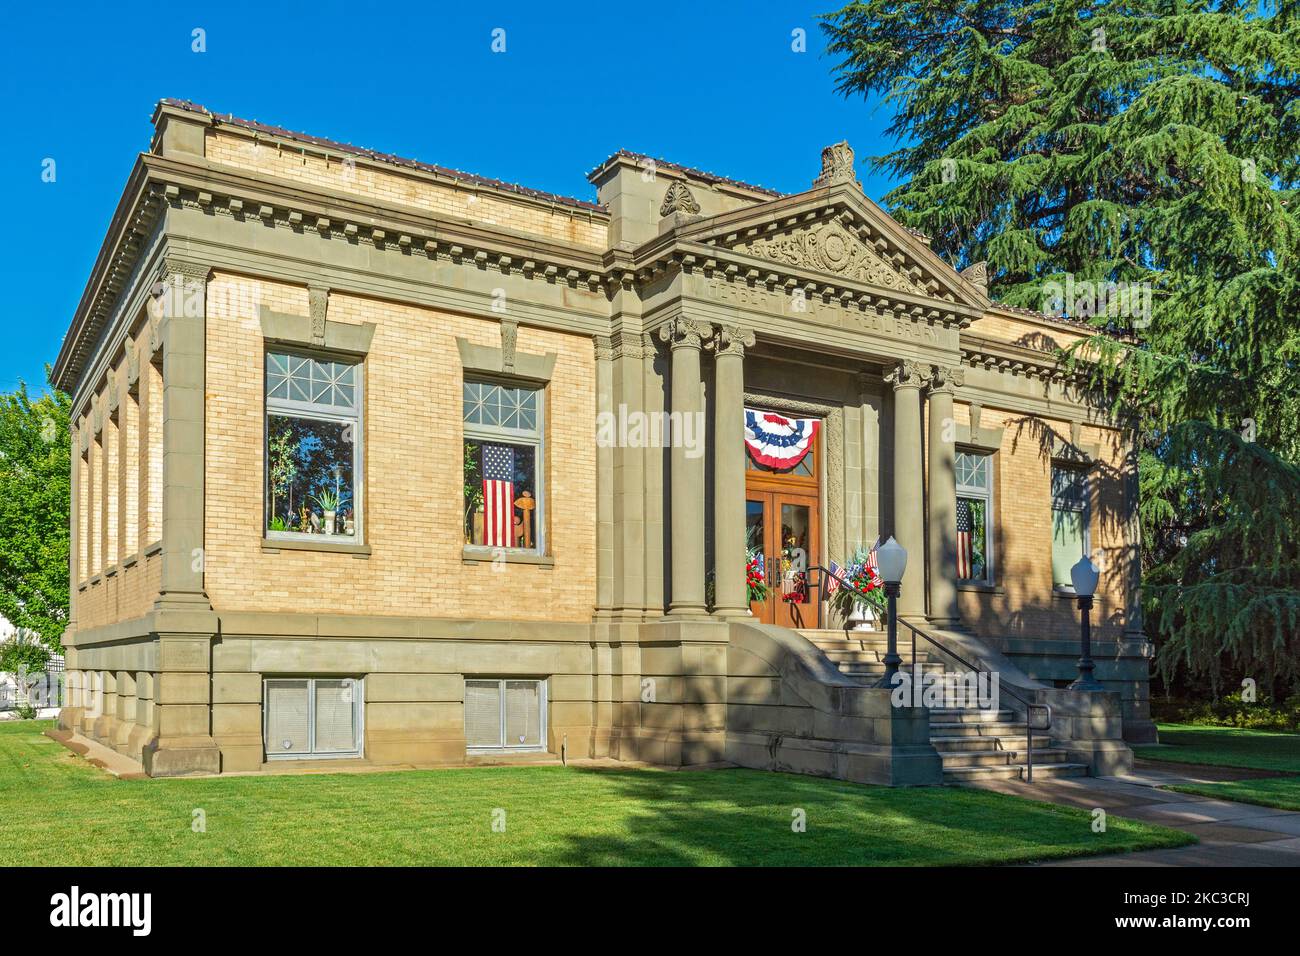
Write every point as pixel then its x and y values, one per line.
pixel 1226 747
pixel 56 809
pixel 1280 792
pixel 1234 747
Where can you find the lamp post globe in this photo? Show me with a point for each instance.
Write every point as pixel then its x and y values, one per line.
pixel 1084 576
pixel 891 562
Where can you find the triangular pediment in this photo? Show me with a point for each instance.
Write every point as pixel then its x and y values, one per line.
pixel 838 232
pixel 834 247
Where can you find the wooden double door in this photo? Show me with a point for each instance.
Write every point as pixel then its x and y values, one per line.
pixel 782 524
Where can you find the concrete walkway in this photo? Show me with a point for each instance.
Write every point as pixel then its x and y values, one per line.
pixel 1231 834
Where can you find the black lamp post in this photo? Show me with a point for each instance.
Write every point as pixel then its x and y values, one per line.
pixel 891 561
pixel 1084 576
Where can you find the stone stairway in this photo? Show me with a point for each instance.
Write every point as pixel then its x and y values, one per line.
pixel 974 743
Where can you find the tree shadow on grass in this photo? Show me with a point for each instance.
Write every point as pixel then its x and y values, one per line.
pixel 745 818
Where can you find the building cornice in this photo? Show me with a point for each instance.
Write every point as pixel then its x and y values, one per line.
pixel 1005 357
pixel 158 182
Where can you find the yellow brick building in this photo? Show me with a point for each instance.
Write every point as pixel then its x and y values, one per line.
pixel 384 462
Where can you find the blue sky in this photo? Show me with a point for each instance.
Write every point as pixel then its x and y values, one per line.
pixel 716 86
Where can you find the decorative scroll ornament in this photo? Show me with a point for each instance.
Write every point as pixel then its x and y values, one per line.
pixel 732 340
pixel 908 374
pixel 831 247
pixel 837 165
pixel 679 199
pixel 947 379
pixel 977 275
pixel 777 442
pixel 318 298
pixel 681 332
pixel 509 340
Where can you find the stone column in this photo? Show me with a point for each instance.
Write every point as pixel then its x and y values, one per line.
pixel 182 320
pixel 106 721
pixel 1131 526
pixel 183 704
pixel 126 707
pixel 942 498
pixel 686 336
pixel 909 487
pixel 629 479
pixel 653 455
pixel 604 352
pixel 92 702
pixel 731 597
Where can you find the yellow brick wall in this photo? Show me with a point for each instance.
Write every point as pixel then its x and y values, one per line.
pixel 119 508
pixel 1025 606
pixel 413 480
pixel 1023 331
pixel 125 595
pixel 557 223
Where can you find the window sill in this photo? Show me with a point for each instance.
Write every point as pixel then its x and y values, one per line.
pixel 472 554
pixel 1067 594
pixel 110 571
pixel 275 545
pixel 131 561
pixel 980 588
pixel 155 548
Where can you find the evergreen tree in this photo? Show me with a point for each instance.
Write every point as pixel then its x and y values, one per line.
pixel 1153 145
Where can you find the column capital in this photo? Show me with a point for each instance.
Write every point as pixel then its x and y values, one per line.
pixel 604 348
pixel 908 374
pixel 946 379
pixel 732 340
pixel 175 265
pixel 683 333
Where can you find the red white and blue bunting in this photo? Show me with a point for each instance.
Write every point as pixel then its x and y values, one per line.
pixel 776 441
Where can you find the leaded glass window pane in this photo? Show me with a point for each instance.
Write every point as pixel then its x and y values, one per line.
pixel 973 471
pixel 298 378
pixel 500 406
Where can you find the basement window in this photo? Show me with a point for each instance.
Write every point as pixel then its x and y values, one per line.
pixel 312 717
pixel 505 714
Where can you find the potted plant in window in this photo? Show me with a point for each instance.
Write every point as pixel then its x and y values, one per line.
pixel 329 502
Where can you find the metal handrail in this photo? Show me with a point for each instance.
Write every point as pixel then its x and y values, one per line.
pixel 1030 707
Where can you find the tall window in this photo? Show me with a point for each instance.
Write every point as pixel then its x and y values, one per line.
pixel 130 470
pixel 974 517
pixel 1070 519
pixel 84 547
pixel 313 447
pixel 503 502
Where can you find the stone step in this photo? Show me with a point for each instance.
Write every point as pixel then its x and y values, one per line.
pixel 977 742
pixel 962 775
pixel 1001 758
pixel 872 654
pixel 968 715
pixel 987 728
pixel 861 671
pixel 830 644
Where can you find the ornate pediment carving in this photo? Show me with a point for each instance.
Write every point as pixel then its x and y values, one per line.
pixel 837 166
pixel 829 246
pixel 678 198
pixel 978 276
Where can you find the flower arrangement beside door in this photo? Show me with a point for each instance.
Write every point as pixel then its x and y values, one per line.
pixel 861 599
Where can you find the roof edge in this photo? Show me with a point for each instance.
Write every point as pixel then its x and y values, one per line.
pixel 229 119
